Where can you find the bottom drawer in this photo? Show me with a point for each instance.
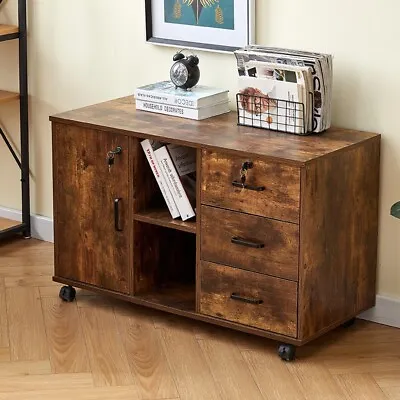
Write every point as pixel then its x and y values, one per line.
pixel 249 298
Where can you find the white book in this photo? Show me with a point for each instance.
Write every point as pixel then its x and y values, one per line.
pixel 183 112
pixel 197 97
pixel 148 149
pixel 180 197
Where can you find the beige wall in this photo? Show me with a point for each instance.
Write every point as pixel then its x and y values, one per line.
pixel 87 51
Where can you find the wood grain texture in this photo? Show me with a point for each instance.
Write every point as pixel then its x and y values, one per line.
pixel 220 132
pixel 64 334
pixel 146 357
pixel 103 393
pixel 198 228
pixel 392 393
pixel 108 360
pixel 272 376
pixel 27 334
pixel 277 312
pixel 24 368
pixel 87 246
pixel 360 387
pixel 4 342
pixel 315 381
pixel 338 238
pixel 229 370
pixel 5 354
pixel 192 375
pixel 365 348
pixel 7 29
pixel 33 382
pixel 279 200
pixel 279 256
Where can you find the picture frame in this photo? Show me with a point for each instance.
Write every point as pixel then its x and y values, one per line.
pixel 222 25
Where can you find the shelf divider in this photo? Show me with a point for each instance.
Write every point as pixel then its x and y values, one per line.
pixel 162 217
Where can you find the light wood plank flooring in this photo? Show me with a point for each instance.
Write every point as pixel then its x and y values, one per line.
pixel 103 349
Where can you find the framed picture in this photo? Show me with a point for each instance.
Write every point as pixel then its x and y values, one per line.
pixel 215 25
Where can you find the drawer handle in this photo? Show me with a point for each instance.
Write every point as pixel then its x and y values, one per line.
pixel 243 242
pixel 238 297
pixel 248 187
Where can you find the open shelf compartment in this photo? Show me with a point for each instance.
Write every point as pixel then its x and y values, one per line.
pixel 164 266
pixel 149 205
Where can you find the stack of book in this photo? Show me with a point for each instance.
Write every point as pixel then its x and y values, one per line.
pixel 199 103
pixel 283 89
pixel 174 168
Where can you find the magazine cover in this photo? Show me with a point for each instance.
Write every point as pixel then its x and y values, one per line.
pixel 272 104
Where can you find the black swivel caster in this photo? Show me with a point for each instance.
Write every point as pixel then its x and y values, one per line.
pixel 349 323
pixel 287 352
pixel 67 293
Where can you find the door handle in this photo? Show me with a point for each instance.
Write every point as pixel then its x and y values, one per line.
pixel 116 214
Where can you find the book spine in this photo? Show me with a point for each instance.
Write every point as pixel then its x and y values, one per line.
pixel 178 191
pixel 167 109
pixel 152 160
pixel 169 99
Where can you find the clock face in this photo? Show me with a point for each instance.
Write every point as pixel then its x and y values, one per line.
pixel 179 74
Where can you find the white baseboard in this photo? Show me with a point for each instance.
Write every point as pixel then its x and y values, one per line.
pixel 41 227
pixel 386 311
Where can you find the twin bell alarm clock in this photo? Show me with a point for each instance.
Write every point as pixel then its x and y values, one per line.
pixel 185 72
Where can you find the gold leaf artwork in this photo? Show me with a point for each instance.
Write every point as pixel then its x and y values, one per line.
pixel 177 10
pixel 219 15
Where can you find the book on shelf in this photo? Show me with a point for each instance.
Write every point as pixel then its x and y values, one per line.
pixel 149 147
pixel 181 184
pixel 164 92
pixel 183 112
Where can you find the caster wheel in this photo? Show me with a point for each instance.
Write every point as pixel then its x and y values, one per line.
pixel 287 352
pixel 349 323
pixel 67 293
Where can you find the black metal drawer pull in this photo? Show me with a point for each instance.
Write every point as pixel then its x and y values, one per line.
pixel 116 215
pixel 238 297
pixel 248 187
pixel 243 242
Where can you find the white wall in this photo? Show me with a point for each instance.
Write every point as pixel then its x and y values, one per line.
pixel 86 51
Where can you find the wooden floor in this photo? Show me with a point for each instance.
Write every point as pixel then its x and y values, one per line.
pixel 97 348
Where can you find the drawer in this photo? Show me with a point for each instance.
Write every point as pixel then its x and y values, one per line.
pixel 253 243
pixel 273 189
pixel 249 298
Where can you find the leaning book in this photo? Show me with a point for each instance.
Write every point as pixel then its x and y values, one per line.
pixel 165 93
pixel 149 147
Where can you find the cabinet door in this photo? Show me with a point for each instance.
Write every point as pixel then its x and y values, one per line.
pixel 91 207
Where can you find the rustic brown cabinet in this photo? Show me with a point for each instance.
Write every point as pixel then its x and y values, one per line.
pixel 289 255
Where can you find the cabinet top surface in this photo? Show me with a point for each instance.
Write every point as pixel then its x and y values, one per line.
pixel 221 132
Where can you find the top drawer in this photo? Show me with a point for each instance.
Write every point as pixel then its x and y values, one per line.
pixel 273 189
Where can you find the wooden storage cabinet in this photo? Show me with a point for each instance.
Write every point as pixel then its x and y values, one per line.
pixel 88 246
pixel 289 256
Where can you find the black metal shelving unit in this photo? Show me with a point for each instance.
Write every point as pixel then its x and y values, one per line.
pixel 19 33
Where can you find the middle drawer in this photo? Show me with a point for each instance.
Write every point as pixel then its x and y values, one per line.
pixel 249 242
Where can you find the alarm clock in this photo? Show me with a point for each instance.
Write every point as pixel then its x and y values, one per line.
pixel 185 72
